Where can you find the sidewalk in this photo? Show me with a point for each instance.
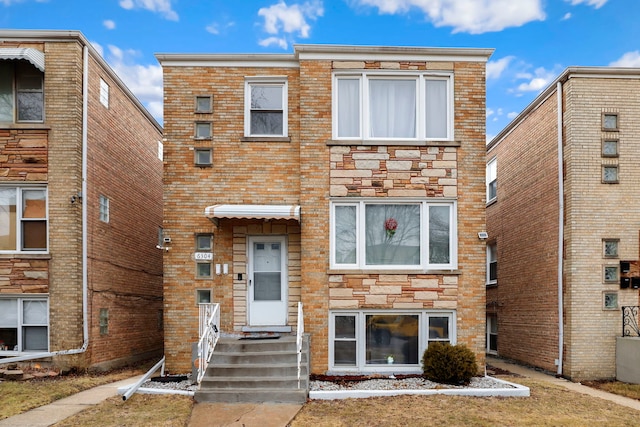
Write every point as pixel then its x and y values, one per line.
pixel 577 387
pixel 52 413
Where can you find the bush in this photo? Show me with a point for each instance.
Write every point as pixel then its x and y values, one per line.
pixel 449 364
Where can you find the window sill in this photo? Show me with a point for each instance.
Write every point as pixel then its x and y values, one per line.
pixel 376 142
pixel 24 255
pixel 25 126
pixel 492 202
pixel 265 139
pixel 388 271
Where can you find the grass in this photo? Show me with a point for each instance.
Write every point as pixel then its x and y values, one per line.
pixel 140 410
pixel 623 389
pixel 20 396
pixel 549 405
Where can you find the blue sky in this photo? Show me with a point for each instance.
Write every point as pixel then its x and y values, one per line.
pixel 534 40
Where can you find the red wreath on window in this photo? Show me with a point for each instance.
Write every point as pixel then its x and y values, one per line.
pixel 390 225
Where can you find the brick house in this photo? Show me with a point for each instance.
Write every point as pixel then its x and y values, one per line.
pixel 348 178
pixel 563 198
pixel 80 207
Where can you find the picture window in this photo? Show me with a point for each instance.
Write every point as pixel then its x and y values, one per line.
pixel 610 122
pixel 610 174
pixel 203 104
pixel 610 248
pixel 203 156
pixel 610 148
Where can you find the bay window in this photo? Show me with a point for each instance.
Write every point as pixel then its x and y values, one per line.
pixel 24 324
pixel 370 340
pixel 23 219
pixel 379 106
pixel 393 235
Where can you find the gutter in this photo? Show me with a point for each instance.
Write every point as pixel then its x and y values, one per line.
pixel 560 231
pixel 85 315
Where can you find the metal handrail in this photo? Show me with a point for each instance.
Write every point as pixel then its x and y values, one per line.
pixel 299 338
pixel 144 378
pixel 630 326
pixel 209 335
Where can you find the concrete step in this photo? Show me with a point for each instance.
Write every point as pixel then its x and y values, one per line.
pixel 252 357
pixel 251 395
pixel 279 382
pixel 285 343
pixel 255 370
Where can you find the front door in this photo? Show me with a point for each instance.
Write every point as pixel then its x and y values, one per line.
pixel 267 281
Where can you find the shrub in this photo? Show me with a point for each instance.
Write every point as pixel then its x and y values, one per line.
pixel 449 364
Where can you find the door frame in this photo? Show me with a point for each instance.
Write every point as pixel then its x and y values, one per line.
pixel 283 313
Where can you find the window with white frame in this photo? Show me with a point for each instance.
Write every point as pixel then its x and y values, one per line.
pixel 104 93
pixel 21 92
pixel 370 340
pixel 492 334
pixel 23 219
pixel 383 106
pixel 394 235
pixel 104 208
pixel 492 263
pixel 24 324
pixel 266 107
pixel 492 180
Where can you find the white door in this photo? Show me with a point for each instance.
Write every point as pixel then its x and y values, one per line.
pixel 267 281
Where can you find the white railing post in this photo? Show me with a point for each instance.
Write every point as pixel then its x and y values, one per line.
pixel 209 320
pixel 299 338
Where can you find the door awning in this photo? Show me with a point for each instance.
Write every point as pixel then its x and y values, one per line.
pixel 253 212
pixel 28 53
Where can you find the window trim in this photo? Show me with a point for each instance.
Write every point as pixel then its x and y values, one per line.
pixel 420 78
pixel 202 124
pixel 280 81
pixel 492 319
pixel 20 220
pixel 604 248
pixel 424 204
pixel 20 69
pixel 617 144
pixel 20 299
pixel 606 129
pixel 360 337
pixel 197 105
pixel 610 181
pixel 616 279
pixel 196 159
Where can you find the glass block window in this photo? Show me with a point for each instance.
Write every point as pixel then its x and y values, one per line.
pixel 610 174
pixel 610 122
pixel 610 300
pixel 611 273
pixel 104 321
pixel 610 148
pixel 104 208
pixel 610 248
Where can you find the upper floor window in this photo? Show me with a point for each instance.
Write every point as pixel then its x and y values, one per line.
pixel 266 107
pixel 410 235
pixel 378 106
pixel 610 121
pixel 104 93
pixel 21 92
pixel 204 104
pixel 104 208
pixel 492 263
pixel 23 219
pixel 492 180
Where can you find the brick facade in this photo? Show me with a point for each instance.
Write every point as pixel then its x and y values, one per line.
pixel 524 224
pixel 310 169
pixel 124 269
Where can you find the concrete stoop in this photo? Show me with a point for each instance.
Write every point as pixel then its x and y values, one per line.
pixel 256 370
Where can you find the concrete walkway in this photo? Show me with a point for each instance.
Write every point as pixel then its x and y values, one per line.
pixel 52 413
pixel 243 414
pixel 577 387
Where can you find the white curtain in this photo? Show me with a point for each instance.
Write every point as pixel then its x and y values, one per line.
pixel 392 108
pixel 397 246
pixel 345 234
pixel 439 234
pixel 436 108
pixel 348 108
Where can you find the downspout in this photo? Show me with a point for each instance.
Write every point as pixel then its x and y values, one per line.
pixel 85 316
pixel 560 231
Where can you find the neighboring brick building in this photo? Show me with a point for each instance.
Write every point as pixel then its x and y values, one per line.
pixel 80 207
pixel 535 257
pixel 284 184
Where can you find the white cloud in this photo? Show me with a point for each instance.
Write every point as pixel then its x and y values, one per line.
pixel 566 16
pixel 470 16
pixel 145 81
pixel 109 24
pixel 161 6
pixel 496 68
pixel 595 3
pixel 535 84
pixel 629 59
pixel 512 115
pixel 217 28
pixel 280 18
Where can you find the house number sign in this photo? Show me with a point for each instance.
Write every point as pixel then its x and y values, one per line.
pixel 203 256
